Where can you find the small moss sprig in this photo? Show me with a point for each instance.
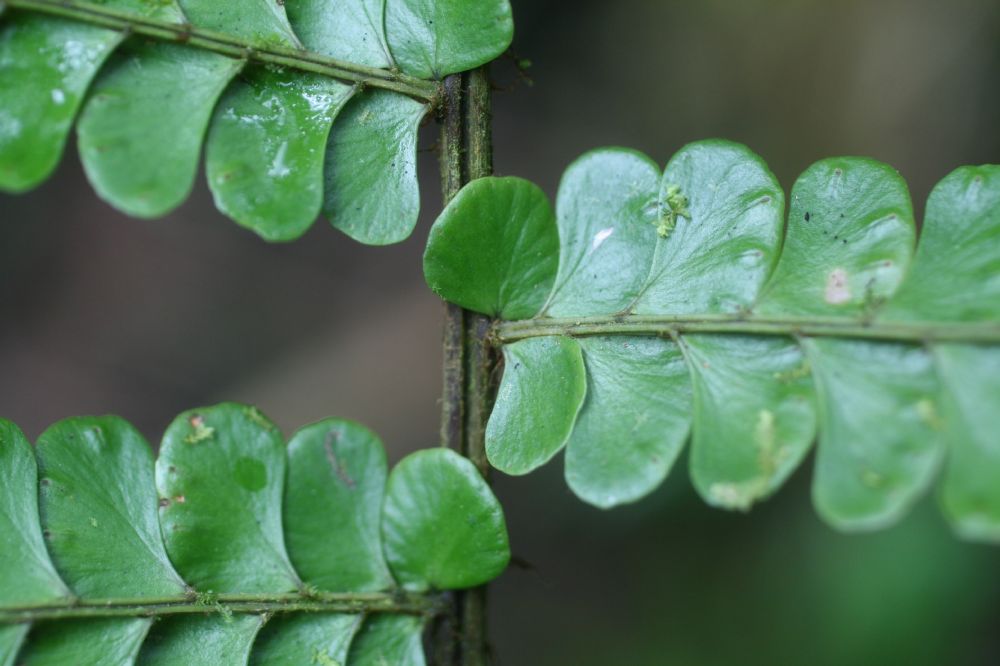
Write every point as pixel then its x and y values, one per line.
pixel 676 206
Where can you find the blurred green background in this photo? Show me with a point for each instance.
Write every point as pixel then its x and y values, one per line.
pixel 106 314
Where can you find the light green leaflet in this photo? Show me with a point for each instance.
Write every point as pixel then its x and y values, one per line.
pixel 241 550
pixel 829 328
pixel 302 107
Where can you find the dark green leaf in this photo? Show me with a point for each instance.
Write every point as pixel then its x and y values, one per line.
pixel 350 30
pixel 163 10
pixel 221 482
pixel 142 129
pixel 258 21
pixel 370 178
pixel 98 505
pixel 389 639
pixel 304 638
pixel 265 151
pixel 634 420
pixel 90 642
pixel 441 524
pixel 221 475
pixel 494 248
pixel 46 65
pixel 201 640
pixel 434 38
pixel 371 192
pixel 542 390
pixel 27 576
pixel 333 501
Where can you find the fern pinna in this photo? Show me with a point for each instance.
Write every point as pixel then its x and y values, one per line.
pixel 651 305
pixel 303 106
pixel 232 548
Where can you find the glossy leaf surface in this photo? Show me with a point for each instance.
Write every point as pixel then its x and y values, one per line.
pixel 306 639
pixel 27 575
pixel 754 418
pixel 260 22
pixel 142 129
pixel 880 439
pixel 221 473
pixel 201 640
pixel 850 243
pixel 99 505
pixel 633 422
pixel 434 38
pixel 828 326
pixel 46 66
pixel 543 387
pixel 970 492
pixel 441 524
pixel 230 496
pixel 287 140
pixel 371 190
pixel 264 155
pixel 11 638
pixel 85 642
pixel 493 266
pixel 353 31
pixel 389 640
pixel 333 500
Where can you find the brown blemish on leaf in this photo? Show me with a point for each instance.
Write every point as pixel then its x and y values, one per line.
pixel 201 431
pixel 335 464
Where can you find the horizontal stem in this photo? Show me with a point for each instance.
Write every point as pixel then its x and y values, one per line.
pixel 510 331
pixel 383 602
pixel 230 45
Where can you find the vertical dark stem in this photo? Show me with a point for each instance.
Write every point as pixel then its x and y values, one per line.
pixel 466 153
pixel 452 178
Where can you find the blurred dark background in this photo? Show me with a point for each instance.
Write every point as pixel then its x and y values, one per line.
pixel 101 314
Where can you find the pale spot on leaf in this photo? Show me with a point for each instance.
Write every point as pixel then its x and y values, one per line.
pixel 601 236
pixel 837 289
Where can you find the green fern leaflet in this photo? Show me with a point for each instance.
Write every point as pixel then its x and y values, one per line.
pixel 749 336
pixel 232 548
pixel 302 107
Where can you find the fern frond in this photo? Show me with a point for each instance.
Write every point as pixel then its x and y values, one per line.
pixel 750 336
pixel 313 110
pixel 232 548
